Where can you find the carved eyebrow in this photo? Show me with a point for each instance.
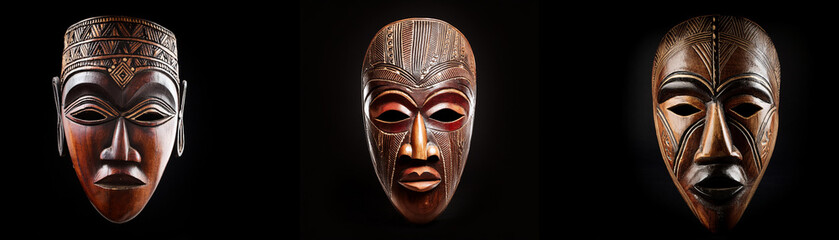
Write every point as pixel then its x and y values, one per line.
pixel 447 90
pixel 684 83
pixel 396 92
pixel 749 84
pixel 92 100
pixel 86 89
pixel 152 89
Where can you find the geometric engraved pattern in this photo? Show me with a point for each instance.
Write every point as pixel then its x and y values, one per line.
pixel 419 51
pixel 119 44
pixel 452 143
pixel 715 39
pixel 121 73
pixel 387 143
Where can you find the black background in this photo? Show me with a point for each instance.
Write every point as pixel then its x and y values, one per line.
pixel 563 142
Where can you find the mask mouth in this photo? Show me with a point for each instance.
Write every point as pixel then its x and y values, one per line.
pixel 120 177
pixel 718 187
pixel 420 179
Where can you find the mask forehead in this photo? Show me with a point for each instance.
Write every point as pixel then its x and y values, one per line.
pixel 418 52
pixel 717 48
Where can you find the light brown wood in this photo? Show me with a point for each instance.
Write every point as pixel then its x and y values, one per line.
pixel 715 88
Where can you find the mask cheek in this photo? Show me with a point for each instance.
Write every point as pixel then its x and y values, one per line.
pixel 768 133
pixel 665 143
pixel 745 142
pixel 685 155
pixel 84 146
pixel 155 145
pixel 454 148
pixel 384 147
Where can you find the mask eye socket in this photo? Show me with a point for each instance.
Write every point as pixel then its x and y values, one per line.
pixel 746 110
pixel 390 111
pixel 392 116
pixel 684 109
pixel 446 115
pixel 447 109
pixel 150 116
pixel 151 112
pixel 89 110
pixel 89 114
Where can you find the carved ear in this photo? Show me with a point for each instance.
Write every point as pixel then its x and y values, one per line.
pixel 181 140
pixel 56 93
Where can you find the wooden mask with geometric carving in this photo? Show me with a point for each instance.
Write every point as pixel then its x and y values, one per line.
pixel 418 99
pixel 715 89
pixel 120 108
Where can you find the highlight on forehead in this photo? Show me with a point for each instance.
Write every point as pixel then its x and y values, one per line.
pixel 715 39
pixel 419 50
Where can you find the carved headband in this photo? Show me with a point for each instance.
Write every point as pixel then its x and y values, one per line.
pixel 121 46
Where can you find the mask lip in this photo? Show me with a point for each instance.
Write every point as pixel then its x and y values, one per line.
pixel 113 176
pixel 419 175
pixel 718 183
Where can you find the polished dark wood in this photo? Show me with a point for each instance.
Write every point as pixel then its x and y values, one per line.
pixel 715 88
pixel 120 108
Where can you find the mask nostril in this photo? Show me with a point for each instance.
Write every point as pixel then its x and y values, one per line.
pixel 703 160
pixel 403 159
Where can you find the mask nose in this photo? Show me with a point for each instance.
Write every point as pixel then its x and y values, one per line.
pixel 120 149
pixel 418 147
pixel 716 145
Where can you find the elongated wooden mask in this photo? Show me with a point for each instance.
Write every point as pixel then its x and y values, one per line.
pixel 418 87
pixel 715 89
pixel 120 109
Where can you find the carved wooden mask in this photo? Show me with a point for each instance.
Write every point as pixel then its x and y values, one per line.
pixel 418 88
pixel 715 88
pixel 120 108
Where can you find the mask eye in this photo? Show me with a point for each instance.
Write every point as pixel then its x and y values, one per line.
pixel 89 110
pixel 746 110
pixel 446 115
pixel 392 116
pixel 151 112
pixel 150 117
pixel 89 114
pixel 684 109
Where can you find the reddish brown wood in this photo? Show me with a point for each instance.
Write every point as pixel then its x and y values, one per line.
pixel 418 83
pixel 120 108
